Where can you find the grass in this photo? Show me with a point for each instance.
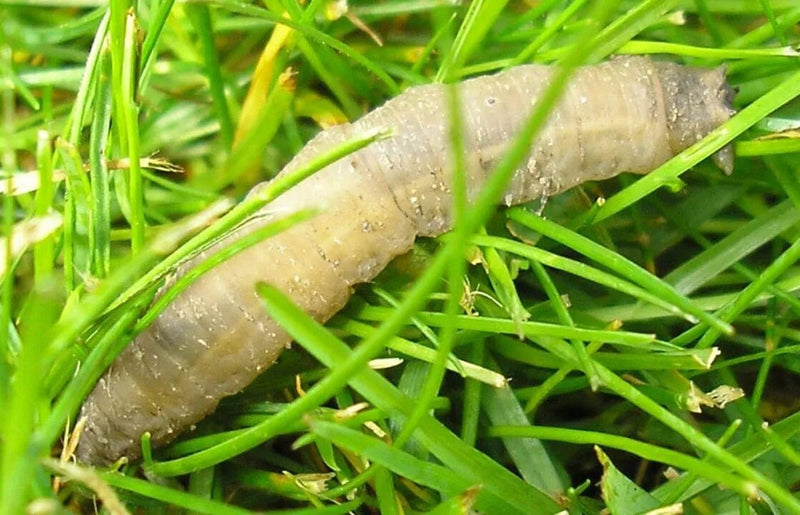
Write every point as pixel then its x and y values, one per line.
pixel 633 348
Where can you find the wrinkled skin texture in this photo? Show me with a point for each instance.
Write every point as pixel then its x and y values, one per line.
pixel 626 115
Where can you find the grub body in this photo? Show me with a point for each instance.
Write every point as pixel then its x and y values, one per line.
pixel 625 115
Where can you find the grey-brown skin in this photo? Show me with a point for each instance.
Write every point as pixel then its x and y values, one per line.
pixel 629 114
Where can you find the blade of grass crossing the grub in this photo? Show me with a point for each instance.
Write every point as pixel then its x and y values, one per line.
pixel 455 273
pixel 97 302
pixel 255 201
pixel 615 262
pixel 723 135
pixel 257 236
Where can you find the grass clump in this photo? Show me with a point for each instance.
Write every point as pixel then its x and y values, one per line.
pixel 629 354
